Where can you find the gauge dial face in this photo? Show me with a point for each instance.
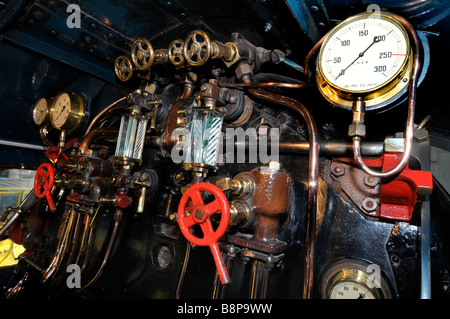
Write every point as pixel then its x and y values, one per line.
pixel 60 110
pixel 40 111
pixel 350 290
pixel 364 53
pixel 354 279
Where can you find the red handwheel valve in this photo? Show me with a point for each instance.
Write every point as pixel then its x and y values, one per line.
pixel 43 183
pixel 200 214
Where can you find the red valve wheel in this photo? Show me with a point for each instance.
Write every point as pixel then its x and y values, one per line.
pixel 43 183
pixel 200 214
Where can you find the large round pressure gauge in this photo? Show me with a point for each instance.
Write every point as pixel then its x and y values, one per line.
pixel 354 279
pixel 367 55
pixel 67 111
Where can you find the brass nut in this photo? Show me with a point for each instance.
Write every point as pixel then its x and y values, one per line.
pixel 356 129
pixel 239 213
pixel 242 70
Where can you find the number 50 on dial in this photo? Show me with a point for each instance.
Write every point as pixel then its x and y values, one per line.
pixel 366 55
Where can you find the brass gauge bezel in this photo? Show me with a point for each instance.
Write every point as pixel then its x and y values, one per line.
pixel 353 272
pixel 45 119
pixel 376 97
pixel 77 111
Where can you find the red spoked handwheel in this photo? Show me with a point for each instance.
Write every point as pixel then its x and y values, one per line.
pixel 200 213
pixel 43 183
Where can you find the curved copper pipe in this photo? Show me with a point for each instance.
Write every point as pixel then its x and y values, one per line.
pixel 84 239
pixel 61 250
pixel 409 131
pixel 313 51
pixel 100 114
pixel 187 91
pixel 89 138
pixel 313 173
pixel 89 249
pixel 106 257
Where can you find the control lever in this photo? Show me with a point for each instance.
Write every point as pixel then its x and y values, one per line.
pixel 198 213
pixel 43 183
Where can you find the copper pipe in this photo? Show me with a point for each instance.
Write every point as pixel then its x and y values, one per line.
pixel 259 280
pixel 106 257
pixel 313 51
pixel 61 250
pixel 89 249
pixel 265 84
pixel 409 134
pixel 84 239
pixel 183 270
pixel 188 91
pixel 99 115
pixel 75 238
pixel 313 173
pixel 72 247
pixel 89 138
pixel 14 292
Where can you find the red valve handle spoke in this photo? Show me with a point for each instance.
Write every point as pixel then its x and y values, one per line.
pixel 43 183
pixel 200 214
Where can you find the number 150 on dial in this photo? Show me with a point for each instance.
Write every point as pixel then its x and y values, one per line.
pixel 364 54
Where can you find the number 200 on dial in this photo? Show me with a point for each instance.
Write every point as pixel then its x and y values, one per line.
pixel 364 53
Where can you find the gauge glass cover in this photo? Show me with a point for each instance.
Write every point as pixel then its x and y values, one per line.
pixel 60 110
pixel 40 111
pixel 364 53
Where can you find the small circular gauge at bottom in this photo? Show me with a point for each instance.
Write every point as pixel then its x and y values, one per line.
pixel 354 279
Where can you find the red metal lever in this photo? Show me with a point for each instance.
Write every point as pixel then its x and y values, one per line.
pixel 198 213
pixel 43 183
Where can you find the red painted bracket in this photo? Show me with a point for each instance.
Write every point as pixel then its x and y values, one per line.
pixel 399 196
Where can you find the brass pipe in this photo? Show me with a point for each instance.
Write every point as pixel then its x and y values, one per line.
pixel 313 173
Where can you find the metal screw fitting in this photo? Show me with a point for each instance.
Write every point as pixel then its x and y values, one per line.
pixel 369 204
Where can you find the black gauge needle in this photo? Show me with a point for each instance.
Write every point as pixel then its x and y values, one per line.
pixel 375 40
pixel 64 107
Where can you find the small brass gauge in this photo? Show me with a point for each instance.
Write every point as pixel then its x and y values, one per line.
pixel 67 111
pixel 40 112
pixel 367 55
pixel 354 279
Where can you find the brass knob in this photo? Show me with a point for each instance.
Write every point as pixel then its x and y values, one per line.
pixel 197 48
pixel 142 54
pixel 123 68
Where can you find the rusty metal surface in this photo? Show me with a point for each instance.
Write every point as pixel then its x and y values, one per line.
pixel 356 186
